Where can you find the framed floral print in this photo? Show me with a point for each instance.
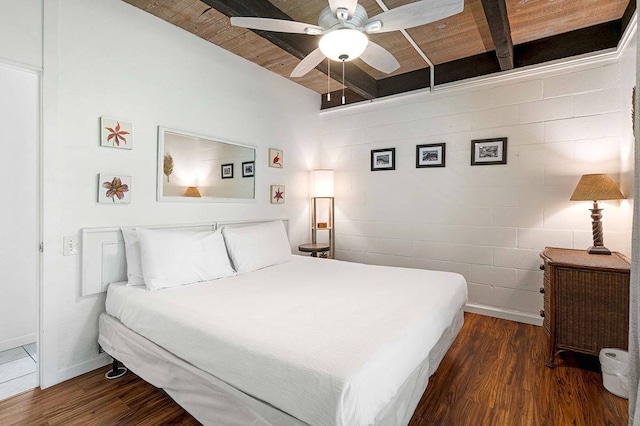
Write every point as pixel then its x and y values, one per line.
pixel 114 188
pixel 277 194
pixel 116 133
pixel 275 158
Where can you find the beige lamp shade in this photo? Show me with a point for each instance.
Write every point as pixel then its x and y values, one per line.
pixel 596 187
pixel 192 191
pixel 322 183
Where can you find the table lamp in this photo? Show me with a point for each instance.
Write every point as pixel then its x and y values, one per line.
pixel 596 187
pixel 192 191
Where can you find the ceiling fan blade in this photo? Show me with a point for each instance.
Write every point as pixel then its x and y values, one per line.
pixel 417 13
pixel 308 63
pixel 379 58
pixel 350 5
pixel 278 25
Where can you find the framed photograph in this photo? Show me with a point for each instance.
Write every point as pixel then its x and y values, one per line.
pixel 275 158
pixel 248 169
pixel 116 133
pixel 432 155
pixel 488 151
pixel 226 171
pixel 277 194
pixel 383 159
pixel 114 189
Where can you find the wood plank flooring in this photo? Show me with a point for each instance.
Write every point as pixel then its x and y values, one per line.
pixel 494 374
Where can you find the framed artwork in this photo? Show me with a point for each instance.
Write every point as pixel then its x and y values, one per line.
pixel 226 171
pixel 383 159
pixel 248 169
pixel 277 194
pixel 114 188
pixel 275 158
pixel 432 155
pixel 488 151
pixel 116 133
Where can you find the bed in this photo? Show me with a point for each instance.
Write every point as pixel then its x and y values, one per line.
pixel 302 341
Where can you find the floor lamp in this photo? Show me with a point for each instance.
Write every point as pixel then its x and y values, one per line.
pixel 322 194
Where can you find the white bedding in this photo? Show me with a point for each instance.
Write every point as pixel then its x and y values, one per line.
pixel 328 342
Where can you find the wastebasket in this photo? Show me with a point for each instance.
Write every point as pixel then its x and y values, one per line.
pixel 615 371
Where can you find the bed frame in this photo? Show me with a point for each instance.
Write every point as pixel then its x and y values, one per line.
pixel 207 398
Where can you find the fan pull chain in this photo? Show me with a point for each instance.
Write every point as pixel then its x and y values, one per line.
pixel 329 80
pixel 343 99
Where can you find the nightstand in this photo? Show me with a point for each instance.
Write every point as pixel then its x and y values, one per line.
pixel 315 248
pixel 586 301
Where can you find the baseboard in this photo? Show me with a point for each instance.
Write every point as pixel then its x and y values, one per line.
pixel 17 342
pixel 492 311
pixel 82 368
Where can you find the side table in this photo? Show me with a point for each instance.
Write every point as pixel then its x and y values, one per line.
pixel 314 249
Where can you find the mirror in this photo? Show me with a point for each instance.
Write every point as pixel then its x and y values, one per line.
pixel 200 168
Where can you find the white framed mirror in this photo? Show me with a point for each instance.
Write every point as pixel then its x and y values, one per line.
pixel 196 168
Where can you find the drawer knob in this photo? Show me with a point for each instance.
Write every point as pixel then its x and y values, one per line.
pixel 542 266
pixel 542 314
pixel 542 290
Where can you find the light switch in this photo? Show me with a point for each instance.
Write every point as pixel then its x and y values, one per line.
pixel 70 246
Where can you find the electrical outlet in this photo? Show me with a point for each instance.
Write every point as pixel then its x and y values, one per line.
pixel 100 350
pixel 70 246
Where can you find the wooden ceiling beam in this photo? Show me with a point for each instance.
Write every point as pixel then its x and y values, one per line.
pixel 299 45
pixel 498 20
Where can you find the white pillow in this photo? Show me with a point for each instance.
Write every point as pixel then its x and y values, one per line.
pixel 132 254
pixel 175 258
pixel 258 246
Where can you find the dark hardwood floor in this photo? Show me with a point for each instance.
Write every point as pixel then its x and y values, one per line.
pixel 494 374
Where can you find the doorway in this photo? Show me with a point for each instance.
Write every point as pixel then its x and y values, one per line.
pixel 19 235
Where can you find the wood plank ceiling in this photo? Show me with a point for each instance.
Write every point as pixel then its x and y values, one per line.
pixel 487 37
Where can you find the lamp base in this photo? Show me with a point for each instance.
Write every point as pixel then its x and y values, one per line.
pixel 598 250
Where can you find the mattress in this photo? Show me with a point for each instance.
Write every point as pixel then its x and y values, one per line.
pixel 328 342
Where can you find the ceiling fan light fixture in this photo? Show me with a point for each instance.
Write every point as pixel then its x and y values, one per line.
pixel 344 44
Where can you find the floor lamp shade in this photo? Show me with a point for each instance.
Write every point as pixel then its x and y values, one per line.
pixel 322 183
pixel 597 187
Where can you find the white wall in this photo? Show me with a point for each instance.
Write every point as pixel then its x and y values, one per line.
pixel 488 223
pixel 21 32
pixel 627 141
pixel 118 61
pixel 18 215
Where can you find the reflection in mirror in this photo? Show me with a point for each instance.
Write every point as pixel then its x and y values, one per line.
pixel 199 168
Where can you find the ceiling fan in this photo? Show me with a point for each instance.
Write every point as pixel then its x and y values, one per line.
pixel 344 24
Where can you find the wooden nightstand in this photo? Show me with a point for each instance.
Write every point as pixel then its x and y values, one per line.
pixel 586 301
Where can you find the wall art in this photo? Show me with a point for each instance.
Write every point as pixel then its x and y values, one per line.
pixel 248 169
pixel 431 155
pixel 488 151
pixel 226 171
pixel 114 188
pixel 383 159
pixel 116 133
pixel 277 194
pixel 275 158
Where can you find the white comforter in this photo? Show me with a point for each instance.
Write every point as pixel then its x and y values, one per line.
pixel 328 342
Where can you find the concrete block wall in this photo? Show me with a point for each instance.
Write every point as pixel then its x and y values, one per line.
pixel 488 223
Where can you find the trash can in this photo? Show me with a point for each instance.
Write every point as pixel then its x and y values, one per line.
pixel 615 371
